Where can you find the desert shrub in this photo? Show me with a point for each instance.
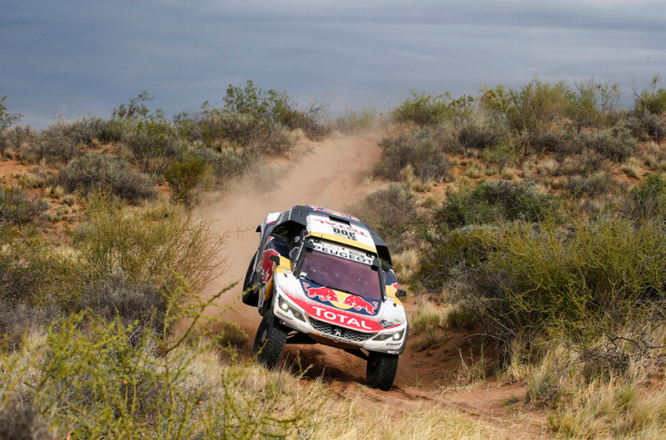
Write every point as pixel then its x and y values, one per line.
pixel 150 140
pixel 136 304
pixel 222 129
pixel 271 107
pixel 391 211
pixel 353 121
pixel 551 142
pixel 184 176
pixel 227 162
pixel 17 208
pixel 616 148
pixel 651 99
pixel 593 104
pixel 647 126
pixel 23 423
pixel 7 119
pixel 648 199
pixel 532 108
pixel 451 256
pixel 592 186
pixel 478 134
pixel 151 144
pixel 494 201
pixel 85 380
pixel 427 109
pixel 151 245
pixel 417 149
pixel 581 283
pixel 94 172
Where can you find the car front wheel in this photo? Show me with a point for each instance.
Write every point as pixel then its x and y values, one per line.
pixel 381 370
pixel 270 341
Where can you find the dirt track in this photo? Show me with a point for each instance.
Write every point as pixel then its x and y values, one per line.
pixel 332 175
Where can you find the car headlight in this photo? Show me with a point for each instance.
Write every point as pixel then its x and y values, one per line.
pixel 395 336
pixel 285 306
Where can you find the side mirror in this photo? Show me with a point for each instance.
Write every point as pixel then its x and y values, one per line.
pixel 275 259
pixel 400 294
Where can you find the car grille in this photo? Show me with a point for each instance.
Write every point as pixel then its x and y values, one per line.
pixel 339 332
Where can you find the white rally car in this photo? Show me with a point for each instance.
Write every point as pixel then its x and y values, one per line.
pixel 321 276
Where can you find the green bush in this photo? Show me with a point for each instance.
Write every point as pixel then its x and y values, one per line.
pixel 475 133
pixel 184 176
pixel 651 99
pixel 593 104
pixel 648 199
pixel 417 149
pixel 616 148
pixel 7 119
pixel 647 126
pixel 221 129
pixel 102 172
pixel 583 283
pixel 273 107
pixel 592 186
pixel 391 211
pixel 151 245
pixel 141 305
pixel 17 208
pixel 86 381
pixel 152 144
pixel 533 108
pixel 494 201
pixel 427 109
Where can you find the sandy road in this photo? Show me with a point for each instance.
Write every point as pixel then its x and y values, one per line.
pixel 332 175
pixel 329 175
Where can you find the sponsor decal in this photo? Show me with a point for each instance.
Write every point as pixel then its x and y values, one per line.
pixel 266 266
pixel 331 212
pixel 342 229
pixel 339 299
pixel 351 235
pixel 341 252
pixel 392 352
pixel 338 317
pixel 393 344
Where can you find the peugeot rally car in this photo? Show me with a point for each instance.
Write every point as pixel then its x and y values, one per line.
pixel 320 276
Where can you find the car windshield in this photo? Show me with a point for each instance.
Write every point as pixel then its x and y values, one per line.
pixel 341 274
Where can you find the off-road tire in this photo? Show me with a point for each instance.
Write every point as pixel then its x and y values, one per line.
pixel 381 370
pixel 250 296
pixel 270 341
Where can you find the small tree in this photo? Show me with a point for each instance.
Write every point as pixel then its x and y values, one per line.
pixel 7 119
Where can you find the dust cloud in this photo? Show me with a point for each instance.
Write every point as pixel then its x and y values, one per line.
pixel 329 175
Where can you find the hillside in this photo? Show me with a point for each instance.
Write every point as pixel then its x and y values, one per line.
pixel 527 226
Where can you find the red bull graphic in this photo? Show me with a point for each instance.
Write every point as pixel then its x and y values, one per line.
pixel 358 303
pixel 323 293
pixel 266 266
pixel 340 300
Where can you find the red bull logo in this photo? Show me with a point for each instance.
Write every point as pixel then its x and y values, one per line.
pixel 266 267
pixel 358 303
pixel 340 300
pixel 323 293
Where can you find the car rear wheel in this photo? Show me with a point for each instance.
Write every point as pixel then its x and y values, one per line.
pixel 270 341
pixel 381 370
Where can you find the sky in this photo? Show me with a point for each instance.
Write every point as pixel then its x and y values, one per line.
pixel 74 57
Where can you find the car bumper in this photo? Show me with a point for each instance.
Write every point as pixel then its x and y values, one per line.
pixel 295 317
